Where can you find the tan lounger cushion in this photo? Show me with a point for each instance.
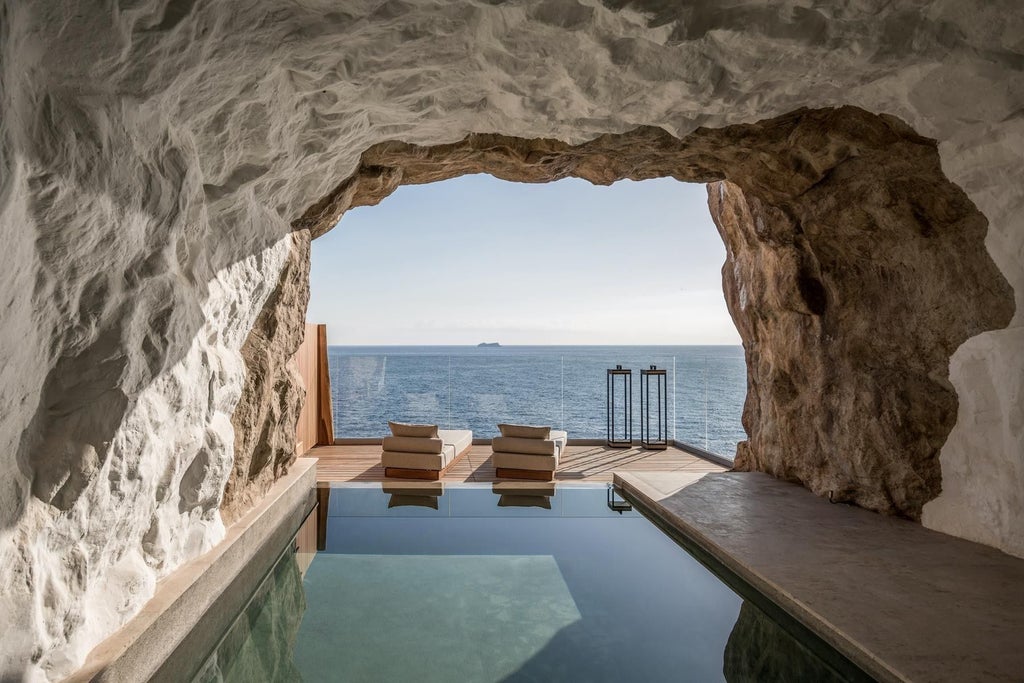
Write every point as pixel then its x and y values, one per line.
pixel 412 444
pixel 517 461
pixel 525 431
pixel 455 441
pixel 403 429
pixel 416 461
pixel 517 444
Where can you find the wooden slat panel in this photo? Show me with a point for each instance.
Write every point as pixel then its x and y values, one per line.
pixel 307 360
pixel 580 463
pixel 325 417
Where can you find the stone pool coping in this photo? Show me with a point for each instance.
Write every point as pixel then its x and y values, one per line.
pixel 140 650
pixel 902 602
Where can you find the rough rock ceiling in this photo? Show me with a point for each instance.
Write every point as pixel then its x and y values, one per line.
pixel 153 155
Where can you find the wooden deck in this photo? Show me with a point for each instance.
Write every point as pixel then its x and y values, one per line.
pixel 580 464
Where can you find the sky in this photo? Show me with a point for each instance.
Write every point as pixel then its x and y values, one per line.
pixel 475 259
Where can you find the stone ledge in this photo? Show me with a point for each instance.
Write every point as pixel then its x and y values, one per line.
pixel 140 650
pixel 901 602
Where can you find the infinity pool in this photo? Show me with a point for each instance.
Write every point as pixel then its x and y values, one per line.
pixel 499 583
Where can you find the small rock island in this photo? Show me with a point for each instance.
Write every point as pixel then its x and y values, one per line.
pixel 488 345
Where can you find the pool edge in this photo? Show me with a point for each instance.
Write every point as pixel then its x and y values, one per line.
pixel 645 496
pixel 141 649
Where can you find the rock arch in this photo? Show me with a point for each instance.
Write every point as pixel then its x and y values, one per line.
pixel 855 269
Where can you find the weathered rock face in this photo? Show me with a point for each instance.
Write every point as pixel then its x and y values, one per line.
pixel 149 497
pixel 268 409
pixel 153 155
pixel 264 420
pixel 851 295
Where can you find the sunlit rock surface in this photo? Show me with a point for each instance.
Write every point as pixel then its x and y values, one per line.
pixel 272 394
pixel 154 154
pixel 851 293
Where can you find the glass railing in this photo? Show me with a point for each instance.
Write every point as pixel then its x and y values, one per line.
pixel 565 387
pixel 367 390
pixel 490 387
pixel 709 390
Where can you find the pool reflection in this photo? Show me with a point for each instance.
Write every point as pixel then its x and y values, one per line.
pixel 424 495
pixel 588 593
pixel 529 496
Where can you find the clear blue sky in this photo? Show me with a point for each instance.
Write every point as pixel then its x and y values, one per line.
pixel 477 259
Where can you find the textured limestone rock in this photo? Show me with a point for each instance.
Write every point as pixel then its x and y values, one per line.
pixel 268 409
pixel 72 575
pixel 850 296
pixel 153 154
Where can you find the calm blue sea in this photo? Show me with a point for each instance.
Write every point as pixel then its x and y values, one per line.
pixel 469 387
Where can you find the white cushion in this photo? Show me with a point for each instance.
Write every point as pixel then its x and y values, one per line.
pixel 460 438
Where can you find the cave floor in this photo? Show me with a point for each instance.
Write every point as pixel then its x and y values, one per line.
pixel 901 601
pixel 581 463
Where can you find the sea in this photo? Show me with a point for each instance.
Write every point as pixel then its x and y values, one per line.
pixel 566 387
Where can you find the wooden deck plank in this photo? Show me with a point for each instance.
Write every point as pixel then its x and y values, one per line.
pixel 580 463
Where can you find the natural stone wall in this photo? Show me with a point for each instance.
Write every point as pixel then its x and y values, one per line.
pixel 850 296
pixel 141 504
pixel 153 154
pixel 265 418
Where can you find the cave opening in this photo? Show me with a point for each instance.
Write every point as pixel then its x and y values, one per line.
pixel 571 277
pixel 854 269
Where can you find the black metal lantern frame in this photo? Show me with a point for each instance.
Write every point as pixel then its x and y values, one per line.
pixel 654 408
pixel 620 383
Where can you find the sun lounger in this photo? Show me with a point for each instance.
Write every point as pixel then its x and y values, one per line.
pixel 422 451
pixel 527 452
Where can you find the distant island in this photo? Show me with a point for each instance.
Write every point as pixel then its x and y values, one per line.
pixel 489 344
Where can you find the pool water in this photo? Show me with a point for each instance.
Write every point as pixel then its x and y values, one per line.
pixel 499 583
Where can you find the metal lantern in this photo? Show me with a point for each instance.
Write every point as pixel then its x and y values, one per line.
pixel 654 408
pixel 620 417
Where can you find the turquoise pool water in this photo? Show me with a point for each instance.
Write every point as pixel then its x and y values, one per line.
pixel 500 583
